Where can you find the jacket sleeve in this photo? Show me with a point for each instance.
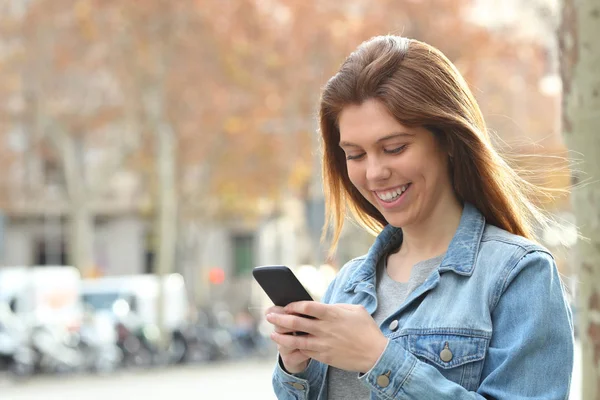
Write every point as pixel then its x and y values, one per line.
pixel 530 355
pixel 302 386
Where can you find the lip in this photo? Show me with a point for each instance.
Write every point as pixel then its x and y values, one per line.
pixel 394 203
pixel 390 188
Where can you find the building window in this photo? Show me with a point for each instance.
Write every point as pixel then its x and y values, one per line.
pixel 50 252
pixel 243 250
pixel 53 175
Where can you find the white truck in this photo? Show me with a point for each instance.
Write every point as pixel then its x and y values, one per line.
pixel 42 312
pixel 135 298
pixel 48 295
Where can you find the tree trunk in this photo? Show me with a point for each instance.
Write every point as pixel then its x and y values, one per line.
pixel 192 244
pixel 81 237
pixel 579 59
pixel 167 213
pixel 81 219
pixel 165 143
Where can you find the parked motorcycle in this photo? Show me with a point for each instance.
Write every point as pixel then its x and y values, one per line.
pixel 98 343
pixel 16 355
pixel 138 344
pixel 56 349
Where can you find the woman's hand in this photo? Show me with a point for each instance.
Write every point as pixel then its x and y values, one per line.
pixel 341 335
pixel 293 360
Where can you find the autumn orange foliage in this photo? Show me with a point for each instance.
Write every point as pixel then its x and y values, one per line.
pixel 239 81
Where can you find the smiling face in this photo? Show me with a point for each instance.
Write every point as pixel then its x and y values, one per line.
pixel 402 171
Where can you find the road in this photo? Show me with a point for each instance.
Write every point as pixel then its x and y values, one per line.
pixel 242 380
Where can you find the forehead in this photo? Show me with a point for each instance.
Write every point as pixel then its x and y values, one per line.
pixel 367 122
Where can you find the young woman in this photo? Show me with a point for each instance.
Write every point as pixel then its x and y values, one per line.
pixel 454 300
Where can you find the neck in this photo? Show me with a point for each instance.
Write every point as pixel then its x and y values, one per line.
pixel 433 234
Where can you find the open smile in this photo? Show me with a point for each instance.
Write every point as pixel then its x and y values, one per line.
pixel 390 195
pixel 390 198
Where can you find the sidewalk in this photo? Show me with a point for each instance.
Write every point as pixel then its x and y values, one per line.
pixel 248 380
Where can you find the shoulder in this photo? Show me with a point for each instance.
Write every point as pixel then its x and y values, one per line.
pixel 511 255
pixel 500 242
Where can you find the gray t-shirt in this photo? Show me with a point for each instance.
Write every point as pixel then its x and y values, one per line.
pixel 344 385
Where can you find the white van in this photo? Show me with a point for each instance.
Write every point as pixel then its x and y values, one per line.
pixel 134 298
pixel 43 295
pixel 118 293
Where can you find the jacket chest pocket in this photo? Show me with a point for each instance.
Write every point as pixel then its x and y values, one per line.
pixel 458 357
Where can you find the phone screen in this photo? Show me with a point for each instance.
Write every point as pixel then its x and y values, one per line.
pixel 280 284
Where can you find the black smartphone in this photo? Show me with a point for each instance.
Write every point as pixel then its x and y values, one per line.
pixel 280 284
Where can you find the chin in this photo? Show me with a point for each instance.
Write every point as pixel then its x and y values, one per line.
pixel 398 221
pixel 399 224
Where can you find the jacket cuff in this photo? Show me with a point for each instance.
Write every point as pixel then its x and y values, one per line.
pixel 391 371
pixel 296 384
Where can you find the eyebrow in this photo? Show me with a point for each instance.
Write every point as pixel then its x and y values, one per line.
pixel 383 139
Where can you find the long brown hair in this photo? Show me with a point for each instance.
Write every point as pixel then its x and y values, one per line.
pixel 420 87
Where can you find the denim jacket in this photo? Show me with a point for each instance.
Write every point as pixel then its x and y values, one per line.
pixel 492 322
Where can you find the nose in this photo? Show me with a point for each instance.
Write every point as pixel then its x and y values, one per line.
pixel 377 170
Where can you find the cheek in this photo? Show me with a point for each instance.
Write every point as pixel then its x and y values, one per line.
pixel 435 175
pixel 355 174
pixel 418 166
pixel 409 167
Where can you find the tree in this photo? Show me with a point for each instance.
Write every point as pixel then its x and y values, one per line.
pixel 221 95
pixel 580 54
pixel 69 105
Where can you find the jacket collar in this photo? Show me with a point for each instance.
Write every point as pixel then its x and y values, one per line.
pixel 460 257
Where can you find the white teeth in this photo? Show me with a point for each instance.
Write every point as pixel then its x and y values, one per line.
pixel 387 196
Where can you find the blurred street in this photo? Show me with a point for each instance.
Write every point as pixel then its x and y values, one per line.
pixel 247 380
pixel 155 152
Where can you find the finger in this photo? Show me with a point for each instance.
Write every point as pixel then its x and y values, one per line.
pixel 311 308
pixel 293 358
pixel 278 329
pixel 304 342
pixel 293 323
pixel 285 351
pixel 283 331
pixel 310 354
pixel 316 355
pixel 274 310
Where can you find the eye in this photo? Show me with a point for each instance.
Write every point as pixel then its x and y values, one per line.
pixel 350 157
pixel 395 150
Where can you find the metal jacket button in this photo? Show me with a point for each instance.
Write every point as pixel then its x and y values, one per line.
pixel 298 386
pixel 446 354
pixel 384 379
pixel 393 325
